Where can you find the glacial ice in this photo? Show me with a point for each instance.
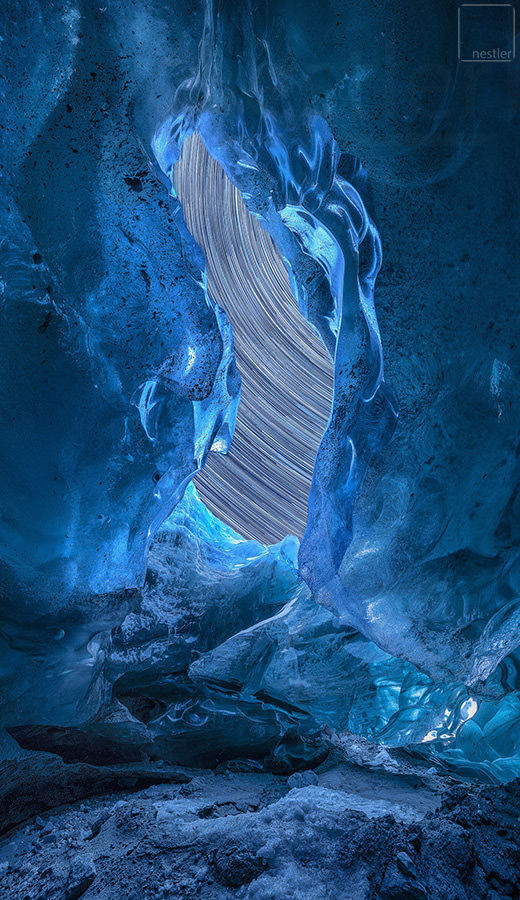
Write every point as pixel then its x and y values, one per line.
pixel 123 350
pixel 400 619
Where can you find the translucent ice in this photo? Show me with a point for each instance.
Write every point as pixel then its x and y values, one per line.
pixel 411 545
pixel 118 378
pixel 117 368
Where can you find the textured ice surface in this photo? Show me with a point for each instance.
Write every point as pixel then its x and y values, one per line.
pixel 424 540
pixel 117 368
pixel 118 377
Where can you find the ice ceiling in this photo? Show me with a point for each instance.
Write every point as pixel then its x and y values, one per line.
pixel 186 200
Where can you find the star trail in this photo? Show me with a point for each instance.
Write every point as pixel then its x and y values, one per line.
pixel 261 487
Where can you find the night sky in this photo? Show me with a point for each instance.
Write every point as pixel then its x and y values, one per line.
pixel 261 488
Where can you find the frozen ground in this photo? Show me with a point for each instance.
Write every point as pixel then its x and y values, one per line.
pixel 363 825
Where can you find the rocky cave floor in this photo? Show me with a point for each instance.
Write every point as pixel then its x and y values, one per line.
pixel 364 824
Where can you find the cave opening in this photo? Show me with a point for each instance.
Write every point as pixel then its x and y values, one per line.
pixel 261 487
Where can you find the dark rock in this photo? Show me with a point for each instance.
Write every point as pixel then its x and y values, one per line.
pixel 397 886
pixel 406 864
pixel 99 821
pixel 49 838
pixel 33 785
pixel 81 876
pixel 302 779
pixel 234 867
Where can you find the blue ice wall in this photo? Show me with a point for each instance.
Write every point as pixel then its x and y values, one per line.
pixel 118 373
pixel 117 367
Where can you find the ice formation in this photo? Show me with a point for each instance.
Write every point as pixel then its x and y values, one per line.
pixel 399 618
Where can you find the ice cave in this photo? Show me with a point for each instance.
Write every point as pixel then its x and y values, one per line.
pixel 260 450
